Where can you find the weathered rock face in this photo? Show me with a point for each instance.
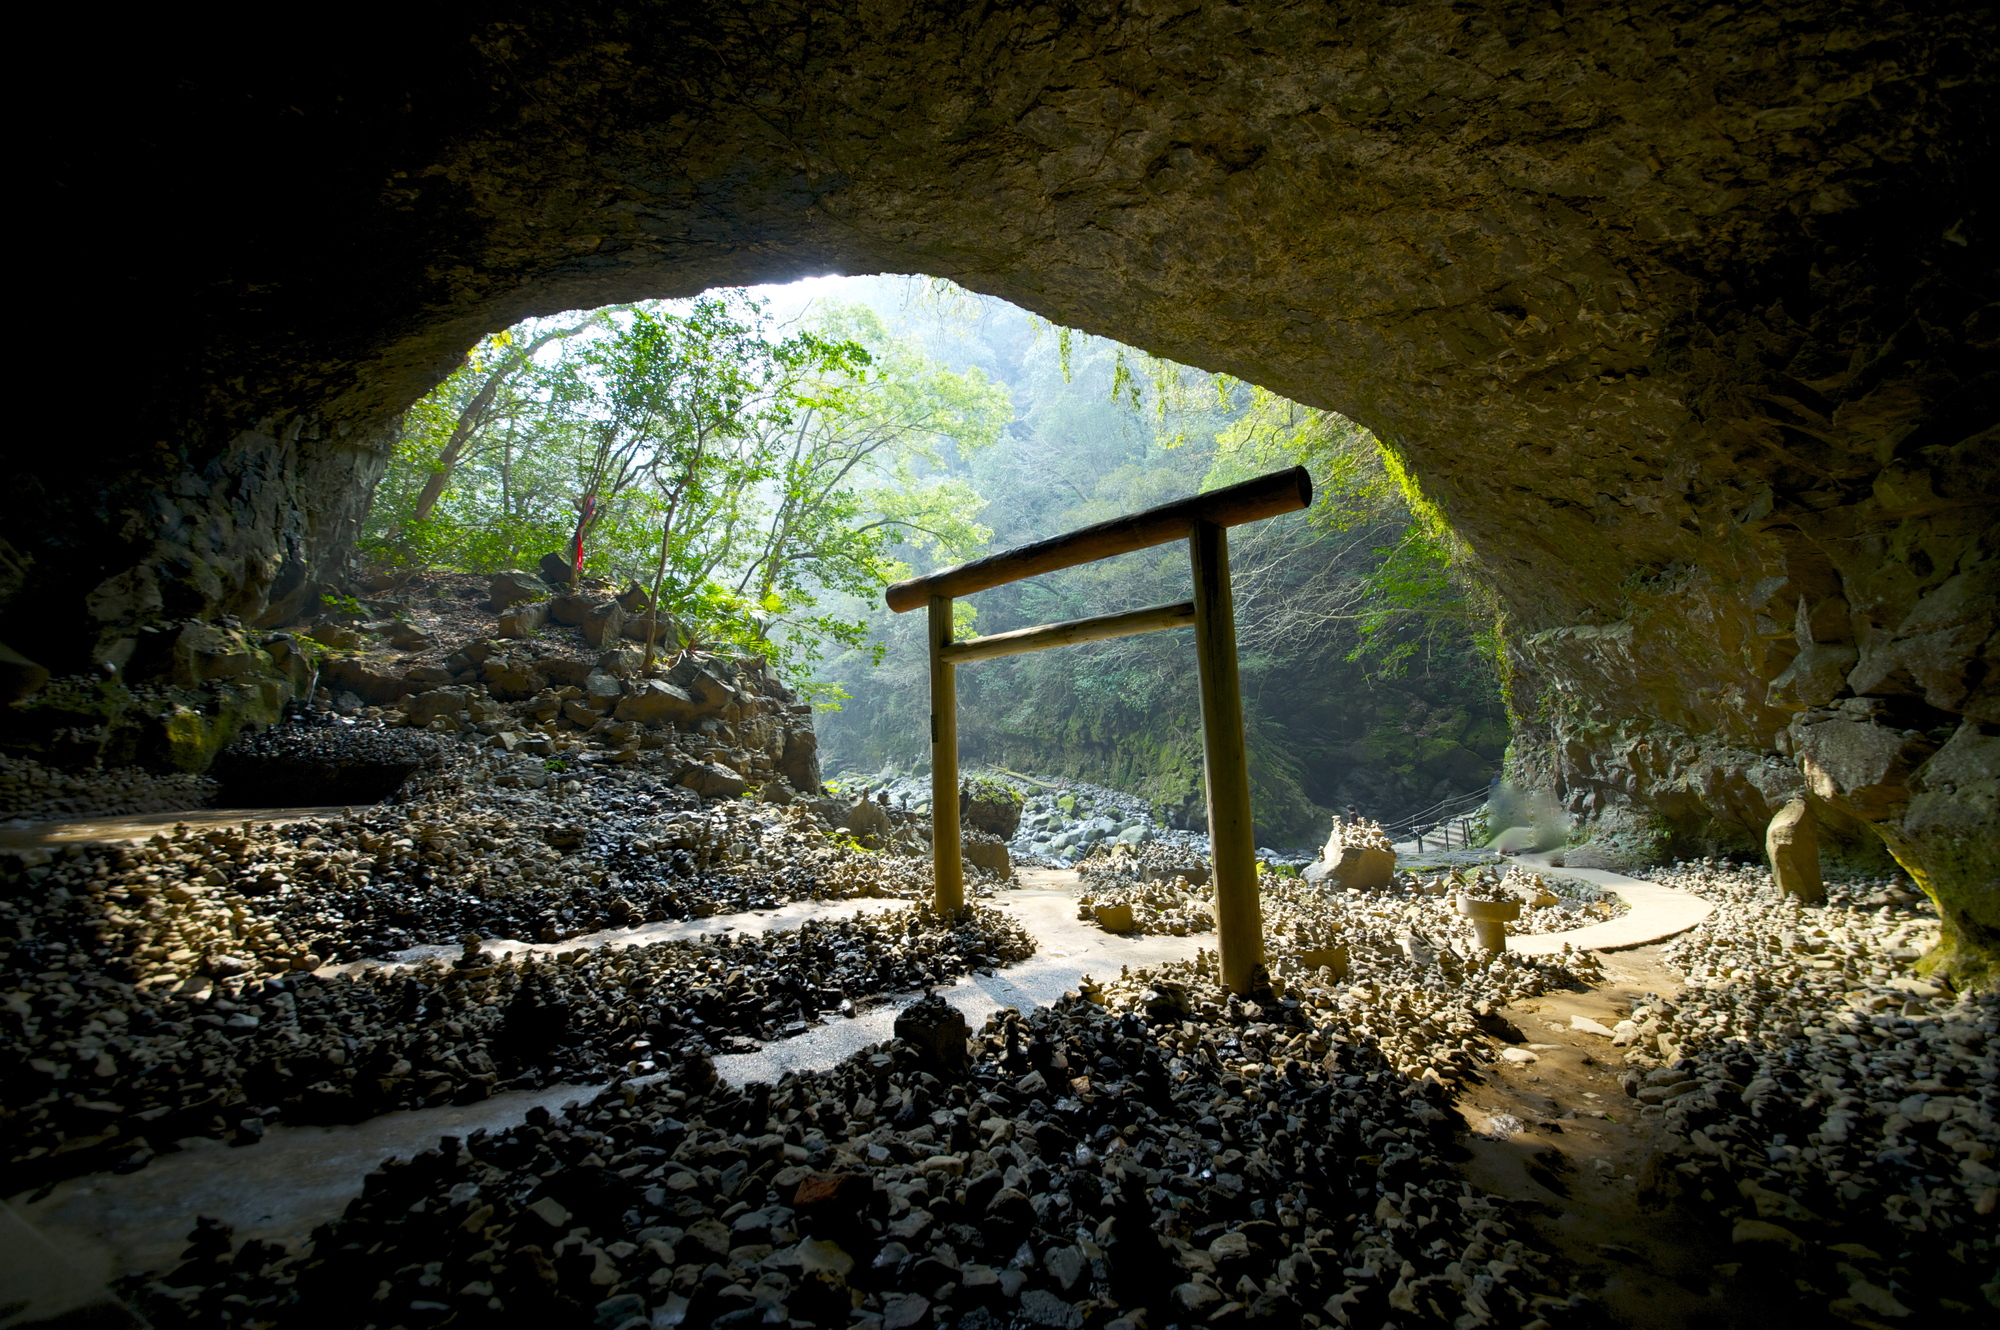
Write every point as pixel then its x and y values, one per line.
pixel 1673 314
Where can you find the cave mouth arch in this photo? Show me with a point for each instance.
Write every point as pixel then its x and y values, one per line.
pixel 1677 321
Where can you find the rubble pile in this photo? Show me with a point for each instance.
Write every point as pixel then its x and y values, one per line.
pixel 616 850
pixel 102 1073
pixel 1146 1162
pixel 1828 1110
pixel 1156 888
pixel 1150 892
pixel 32 792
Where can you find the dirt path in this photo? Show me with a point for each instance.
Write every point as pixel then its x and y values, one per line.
pixel 1559 1138
pixel 144 826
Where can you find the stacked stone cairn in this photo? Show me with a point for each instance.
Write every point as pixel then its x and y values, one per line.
pixel 1154 888
pixel 1819 1108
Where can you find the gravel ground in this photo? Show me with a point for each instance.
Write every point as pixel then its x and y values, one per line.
pixel 1831 1111
pixel 1146 1152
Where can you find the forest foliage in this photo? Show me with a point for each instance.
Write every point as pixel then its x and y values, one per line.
pixel 747 474
pixel 1367 650
pixel 769 475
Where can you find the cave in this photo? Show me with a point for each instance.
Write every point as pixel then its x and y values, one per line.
pixel 1681 320
pixel 1681 317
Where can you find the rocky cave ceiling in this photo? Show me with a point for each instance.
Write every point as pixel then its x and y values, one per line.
pixel 1681 313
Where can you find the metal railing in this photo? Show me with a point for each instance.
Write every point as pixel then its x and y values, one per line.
pixel 1448 824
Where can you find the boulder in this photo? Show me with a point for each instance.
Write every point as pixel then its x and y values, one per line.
pixel 571 609
pixel 603 624
pixel 406 636
pixel 993 809
pixel 711 780
pixel 1115 918
pixel 371 681
pixel 438 702
pixel 656 702
pixel 525 620
pixel 800 763
pixel 634 600
pixel 1860 767
pixel 510 678
pixel 990 855
pixel 555 570
pixel 601 692
pixel 1358 868
pixel 1792 843
pixel 621 661
pixel 514 587
pixel 562 672
pixel 704 680
pixel 867 818
pixel 664 630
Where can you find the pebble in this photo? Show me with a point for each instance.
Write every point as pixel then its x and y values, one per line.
pixel 1807 1092
pixel 1087 1163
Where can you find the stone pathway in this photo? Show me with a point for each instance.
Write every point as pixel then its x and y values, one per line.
pixel 144 826
pixel 299 1177
pixel 1066 950
pixel 1657 913
pixel 749 922
pixel 281 1188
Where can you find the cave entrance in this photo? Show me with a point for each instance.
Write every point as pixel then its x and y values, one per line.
pixel 1202 521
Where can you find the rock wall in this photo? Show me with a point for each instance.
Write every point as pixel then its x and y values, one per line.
pixel 1681 316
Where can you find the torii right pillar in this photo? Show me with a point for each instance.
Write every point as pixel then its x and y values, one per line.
pixel 1239 915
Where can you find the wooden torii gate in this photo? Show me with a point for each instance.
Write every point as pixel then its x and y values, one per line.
pixel 1201 521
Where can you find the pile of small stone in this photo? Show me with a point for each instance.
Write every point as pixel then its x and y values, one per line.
pixel 1174 907
pixel 567 681
pixel 1831 1110
pixel 1154 888
pixel 103 1073
pixel 1113 864
pixel 1163 1154
pixel 620 850
pixel 1301 917
pixel 1360 833
pixel 1548 905
pixel 32 792
pixel 322 759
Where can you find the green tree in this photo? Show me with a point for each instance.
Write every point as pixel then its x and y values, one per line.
pixel 1361 675
pixel 742 474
